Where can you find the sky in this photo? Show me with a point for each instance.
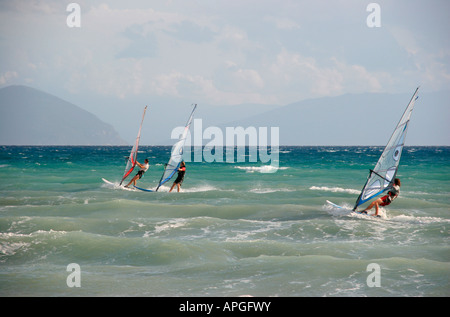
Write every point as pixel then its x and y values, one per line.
pixel 125 54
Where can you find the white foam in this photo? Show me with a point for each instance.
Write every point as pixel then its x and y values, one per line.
pixel 347 209
pixel 420 220
pixel 197 189
pixel 10 248
pixel 170 225
pixel 261 169
pixel 336 189
pixel 270 190
pixel 114 185
pixel 204 188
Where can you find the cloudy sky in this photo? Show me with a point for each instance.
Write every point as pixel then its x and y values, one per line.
pixel 219 53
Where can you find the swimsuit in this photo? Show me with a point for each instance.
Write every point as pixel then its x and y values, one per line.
pixel 180 176
pixel 386 200
pixel 392 194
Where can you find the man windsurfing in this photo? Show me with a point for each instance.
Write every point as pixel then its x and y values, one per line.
pixel 180 177
pixel 144 167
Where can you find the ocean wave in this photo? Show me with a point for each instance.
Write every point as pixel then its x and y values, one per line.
pixel 11 235
pixel 261 169
pixel 203 188
pixel 13 242
pixel 418 220
pixel 347 209
pixel 405 219
pixel 270 190
pixel 196 189
pixel 177 223
pixel 336 189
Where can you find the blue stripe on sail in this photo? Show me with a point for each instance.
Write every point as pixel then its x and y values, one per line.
pixel 170 176
pixel 362 201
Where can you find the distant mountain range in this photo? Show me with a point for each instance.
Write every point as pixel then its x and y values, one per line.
pixel 32 117
pixel 357 119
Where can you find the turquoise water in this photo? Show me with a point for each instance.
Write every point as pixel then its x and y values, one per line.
pixel 231 231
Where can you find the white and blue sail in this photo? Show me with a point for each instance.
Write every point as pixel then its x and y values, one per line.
pixel 177 153
pixel 382 177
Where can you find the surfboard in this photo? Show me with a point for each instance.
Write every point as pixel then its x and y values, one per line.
pixel 348 210
pixel 108 182
pixel 115 185
pixel 143 189
pixel 337 206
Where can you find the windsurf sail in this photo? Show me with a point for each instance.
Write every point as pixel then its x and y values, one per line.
pixel 176 154
pixel 382 177
pixel 131 160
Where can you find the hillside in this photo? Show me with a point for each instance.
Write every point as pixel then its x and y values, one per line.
pixel 32 117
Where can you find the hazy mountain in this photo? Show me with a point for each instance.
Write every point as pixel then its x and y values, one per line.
pixel 350 119
pixel 32 117
pixel 29 116
pixel 357 119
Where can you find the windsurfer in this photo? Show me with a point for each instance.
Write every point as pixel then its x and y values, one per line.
pixel 144 167
pixel 385 200
pixel 180 177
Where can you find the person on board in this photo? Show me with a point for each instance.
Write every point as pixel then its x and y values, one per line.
pixel 180 177
pixel 385 200
pixel 144 167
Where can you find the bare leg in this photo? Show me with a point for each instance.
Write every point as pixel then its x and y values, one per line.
pixel 374 203
pixel 370 206
pixel 376 208
pixel 133 180
pixel 173 185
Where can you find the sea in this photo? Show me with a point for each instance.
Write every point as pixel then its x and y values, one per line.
pixel 239 228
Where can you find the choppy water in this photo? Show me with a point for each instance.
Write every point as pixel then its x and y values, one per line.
pixel 232 231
